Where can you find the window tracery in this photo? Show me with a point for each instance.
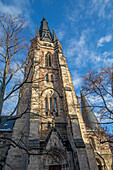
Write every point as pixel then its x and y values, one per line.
pixel 51 107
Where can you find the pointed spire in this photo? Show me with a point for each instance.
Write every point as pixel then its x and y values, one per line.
pixel 54 36
pixel 37 32
pixel 88 115
pixel 44 31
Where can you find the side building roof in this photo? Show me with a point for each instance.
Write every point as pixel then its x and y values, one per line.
pixel 7 125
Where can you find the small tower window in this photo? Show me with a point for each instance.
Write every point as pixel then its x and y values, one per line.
pixel 48 125
pixel 47 77
pixel 51 110
pixel 46 106
pixel 55 106
pixel 52 78
pixel 49 60
pixel 46 60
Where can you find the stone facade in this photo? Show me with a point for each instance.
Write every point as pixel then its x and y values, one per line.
pixel 52 133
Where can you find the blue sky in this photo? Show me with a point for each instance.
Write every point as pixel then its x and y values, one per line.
pixel 84 28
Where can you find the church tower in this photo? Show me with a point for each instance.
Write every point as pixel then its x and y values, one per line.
pixel 56 128
pixel 52 126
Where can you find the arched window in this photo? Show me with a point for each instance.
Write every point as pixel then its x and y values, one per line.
pixel 48 60
pixel 51 109
pixel 46 110
pixel 52 78
pixel 55 106
pixel 47 77
pixel 52 106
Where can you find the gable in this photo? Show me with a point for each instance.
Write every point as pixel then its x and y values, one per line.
pixel 54 141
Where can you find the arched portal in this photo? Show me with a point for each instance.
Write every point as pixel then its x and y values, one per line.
pixel 56 160
pixel 55 167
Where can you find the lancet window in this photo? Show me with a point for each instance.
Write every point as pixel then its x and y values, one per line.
pixel 52 78
pixel 51 106
pixel 47 77
pixel 46 106
pixel 48 60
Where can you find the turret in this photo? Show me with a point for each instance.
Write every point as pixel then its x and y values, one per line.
pixel 88 115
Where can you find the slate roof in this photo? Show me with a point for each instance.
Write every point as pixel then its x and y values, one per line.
pixel 44 32
pixel 8 125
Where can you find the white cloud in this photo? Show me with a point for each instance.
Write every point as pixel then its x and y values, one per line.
pixel 103 8
pixel 60 34
pixel 105 58
pixel 60 31
pixel 9 9
pixel 76 79
pixel 102 40
pixel 75 45
pixel 81 52
pixel 78 50
pixel 16 7
pixel 79 10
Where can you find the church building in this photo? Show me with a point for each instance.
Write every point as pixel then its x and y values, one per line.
pixel 53 132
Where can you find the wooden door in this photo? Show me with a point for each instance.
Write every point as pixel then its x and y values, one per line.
pixel 55 167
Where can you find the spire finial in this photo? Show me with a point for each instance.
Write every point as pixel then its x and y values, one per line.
pixel 43 16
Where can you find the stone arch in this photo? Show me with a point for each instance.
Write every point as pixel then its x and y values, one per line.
pixel 59 94
pixel 56 157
